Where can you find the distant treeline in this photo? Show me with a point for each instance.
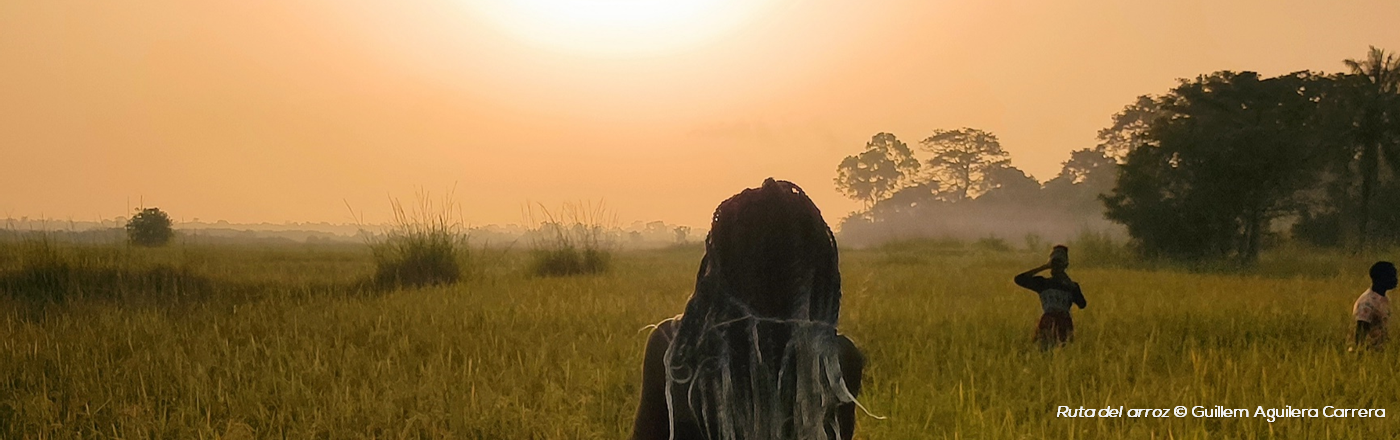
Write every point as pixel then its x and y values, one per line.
pixel 203 236
pixel 1218 167
pixel 637 235
pixel 968 189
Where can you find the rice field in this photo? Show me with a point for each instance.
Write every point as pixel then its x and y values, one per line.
pixel 242 342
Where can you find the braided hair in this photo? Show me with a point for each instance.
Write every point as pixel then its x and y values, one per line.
pixel 755 355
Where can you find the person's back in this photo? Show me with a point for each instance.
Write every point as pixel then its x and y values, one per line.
pixel 756 354
pixel 654 422
pixel 1057 293
pixel 1372 309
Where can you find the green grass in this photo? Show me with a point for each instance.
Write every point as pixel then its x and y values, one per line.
pixel 302 354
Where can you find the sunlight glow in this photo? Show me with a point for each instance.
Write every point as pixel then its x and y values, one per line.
pixel 618 27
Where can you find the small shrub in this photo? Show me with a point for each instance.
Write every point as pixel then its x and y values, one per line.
pixel 570 261
pixel 1097 248
pixel 1034 242
pixel 577 239
pixel 150 227
pixel 992 244
pixel 423 246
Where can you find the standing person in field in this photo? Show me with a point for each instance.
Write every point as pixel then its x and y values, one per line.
pixel 1056 295
pixel 1372 309
pixel 756 355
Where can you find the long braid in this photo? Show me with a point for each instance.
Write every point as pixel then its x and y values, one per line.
pixel 752 376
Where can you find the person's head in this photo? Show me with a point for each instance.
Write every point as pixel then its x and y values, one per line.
pixel 1383 276
pixel 1059 258
pixel 772 251
pixel 756 350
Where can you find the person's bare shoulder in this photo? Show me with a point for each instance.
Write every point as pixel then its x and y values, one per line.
pixel 652 420
pixel 660 339
pixel 852 363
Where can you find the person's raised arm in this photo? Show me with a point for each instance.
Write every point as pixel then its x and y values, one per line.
pixel 653 421
pixel 1028 279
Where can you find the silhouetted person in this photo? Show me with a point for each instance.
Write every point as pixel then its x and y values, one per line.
pixel 756 355
pixel 1372 309
pixel 1056 295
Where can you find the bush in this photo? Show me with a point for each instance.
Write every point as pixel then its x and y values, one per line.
pixel 1099 249
pixel 424 246
pixel 993 244
pixel 575 240
pixel 570 261
pixel 1034 242
pixel 150 227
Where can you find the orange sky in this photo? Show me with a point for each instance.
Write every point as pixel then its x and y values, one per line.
pixel 255 111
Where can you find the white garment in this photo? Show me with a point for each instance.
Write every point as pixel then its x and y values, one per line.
pixel 1374 309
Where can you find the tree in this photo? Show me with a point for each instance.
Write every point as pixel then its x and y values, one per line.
pixel 962 159
pixel 1087 166
pixel 656 230
pixel 905 201
pixel 1129 129
pixel 1229 156
pixel 884 167
pixel 149 227
pixel 1009 184
pixel 1329 212
pixel 1087 174
pixel 1377 80
pixel 682 234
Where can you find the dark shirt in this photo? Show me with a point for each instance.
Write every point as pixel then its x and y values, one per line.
pixel 1056 294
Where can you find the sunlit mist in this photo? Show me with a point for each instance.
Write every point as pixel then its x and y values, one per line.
pixel 618 27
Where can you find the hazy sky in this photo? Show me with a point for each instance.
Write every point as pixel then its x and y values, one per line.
pixel 254 111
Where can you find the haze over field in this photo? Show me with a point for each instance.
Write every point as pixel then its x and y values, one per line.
pixel 480 218
pixel 283 111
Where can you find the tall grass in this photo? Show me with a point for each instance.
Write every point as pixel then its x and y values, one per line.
pixel 425 245
pixel 40 270
pixel 947 342
pixel 575 239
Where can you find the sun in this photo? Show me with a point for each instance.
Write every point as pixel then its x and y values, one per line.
pixel 618 27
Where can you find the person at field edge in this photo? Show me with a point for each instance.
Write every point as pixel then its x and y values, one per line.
pixel 1056 295
pixel 1372 309
pixel 756 354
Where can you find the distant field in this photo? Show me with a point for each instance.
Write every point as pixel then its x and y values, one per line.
pixel 274 342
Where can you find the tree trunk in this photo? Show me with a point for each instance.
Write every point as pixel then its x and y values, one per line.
pixel 1369 168
pixel 1252 237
